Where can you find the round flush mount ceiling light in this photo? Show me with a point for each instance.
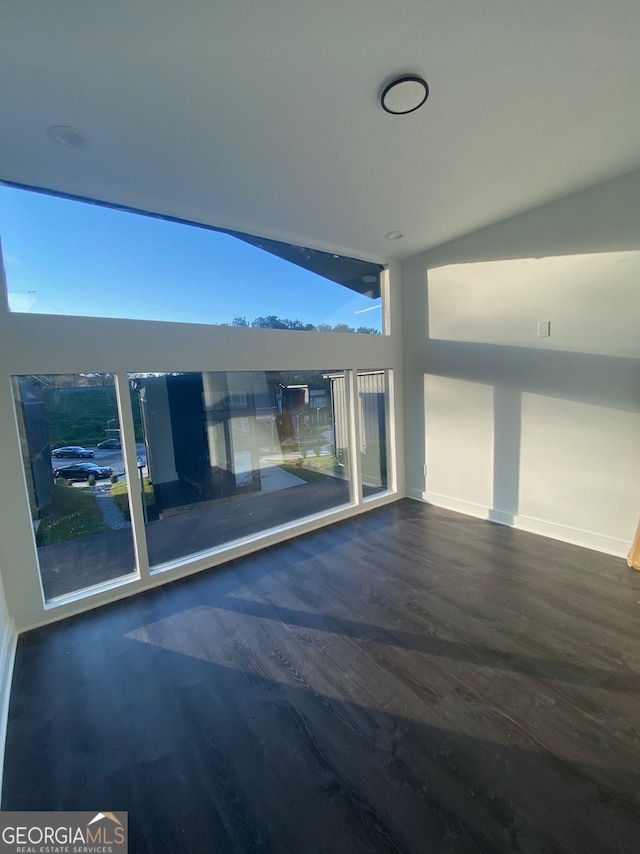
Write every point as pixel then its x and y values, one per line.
pixel 404 95
pixel 68 136
pixel 369 280
pixel 394 235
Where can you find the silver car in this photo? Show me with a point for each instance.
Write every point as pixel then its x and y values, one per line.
pixel 71 451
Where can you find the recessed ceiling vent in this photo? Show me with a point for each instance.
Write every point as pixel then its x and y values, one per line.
pixel 68 136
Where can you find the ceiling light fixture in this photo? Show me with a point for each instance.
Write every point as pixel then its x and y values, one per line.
pixel 68 136
pixel 369 280
pixel 404 95
pixel 394 235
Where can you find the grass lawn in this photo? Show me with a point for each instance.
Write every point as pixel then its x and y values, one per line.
pixel 325 462
pixel 325 466
pixel 73 513
pixel 120 495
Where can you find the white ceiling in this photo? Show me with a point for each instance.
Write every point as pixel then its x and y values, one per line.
pixel 262 115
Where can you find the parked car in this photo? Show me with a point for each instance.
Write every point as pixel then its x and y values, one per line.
pixel 71 451
pixel 81 471
pixel 110 445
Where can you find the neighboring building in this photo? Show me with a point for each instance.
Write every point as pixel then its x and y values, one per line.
pixel 373 429
pixel 204 431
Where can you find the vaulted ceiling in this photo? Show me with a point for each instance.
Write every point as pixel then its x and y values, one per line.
pixel 263 115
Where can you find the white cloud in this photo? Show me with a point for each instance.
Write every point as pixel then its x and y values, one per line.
pixel 22 303
pixel 372 308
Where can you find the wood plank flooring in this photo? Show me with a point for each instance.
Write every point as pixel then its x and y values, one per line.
pixel 411 680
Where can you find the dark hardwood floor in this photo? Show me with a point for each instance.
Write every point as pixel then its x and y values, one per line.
pixel 410 680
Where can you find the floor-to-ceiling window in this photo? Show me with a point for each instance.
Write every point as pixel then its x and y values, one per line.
pixel 141 447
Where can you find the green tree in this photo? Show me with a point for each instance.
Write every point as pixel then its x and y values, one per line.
pixel 272 321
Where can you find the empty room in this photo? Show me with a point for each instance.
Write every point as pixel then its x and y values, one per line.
pixel 319 427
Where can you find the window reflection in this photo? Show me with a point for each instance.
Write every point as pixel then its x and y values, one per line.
pixel 231 454
pixel 372 402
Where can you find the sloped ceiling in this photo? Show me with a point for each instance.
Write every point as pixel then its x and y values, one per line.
pixel 263 115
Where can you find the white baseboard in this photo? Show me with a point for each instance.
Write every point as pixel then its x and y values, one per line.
pixel 7 658
pixel 575 536
pixel 414 493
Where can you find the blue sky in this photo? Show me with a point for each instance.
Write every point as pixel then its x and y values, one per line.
pixel 66 257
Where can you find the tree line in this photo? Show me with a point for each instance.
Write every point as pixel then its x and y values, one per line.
pixel 271 321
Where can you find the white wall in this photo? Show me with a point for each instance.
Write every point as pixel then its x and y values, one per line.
pixel 158 431
pixel 541 433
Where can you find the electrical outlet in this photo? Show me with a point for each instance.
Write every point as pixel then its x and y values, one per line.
pixel 424 470
pixel 544 329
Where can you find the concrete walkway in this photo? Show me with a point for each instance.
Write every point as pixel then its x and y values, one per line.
pixel 112 515
pixel 273 478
